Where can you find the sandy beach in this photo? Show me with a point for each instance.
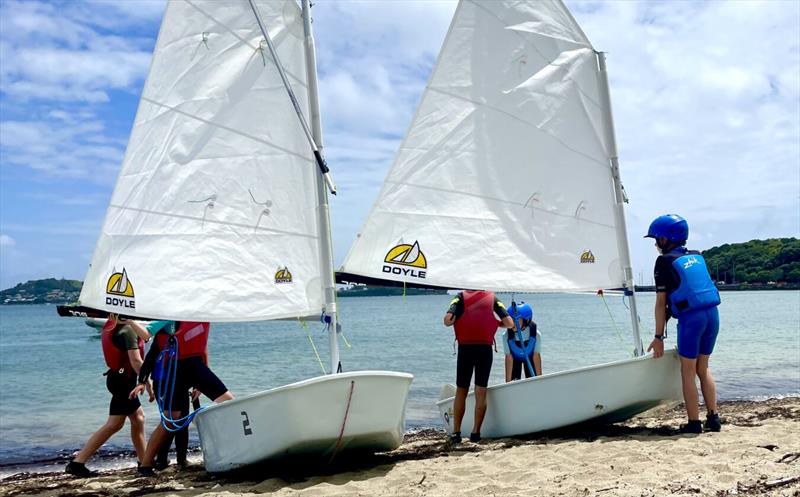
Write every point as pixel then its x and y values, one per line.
pixel 757 453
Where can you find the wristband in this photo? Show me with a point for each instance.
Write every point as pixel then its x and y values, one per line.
pixel 660 337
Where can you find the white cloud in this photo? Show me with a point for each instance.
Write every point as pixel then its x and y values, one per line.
pixel 7 241
pixel 58 52
pixel 61 145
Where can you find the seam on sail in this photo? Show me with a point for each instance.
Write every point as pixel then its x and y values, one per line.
pixel 227 128
pixel 281 35
pixel 212 221
pixel 605 165
pixel 549 61
pixel 486 197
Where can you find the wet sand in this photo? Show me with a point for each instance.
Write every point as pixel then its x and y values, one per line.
pixel 757 453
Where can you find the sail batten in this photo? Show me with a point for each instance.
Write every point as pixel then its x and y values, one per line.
pixel 214 213
pixel 503 179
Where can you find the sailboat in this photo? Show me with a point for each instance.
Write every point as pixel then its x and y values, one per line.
pixel 508 180
pixel 220 214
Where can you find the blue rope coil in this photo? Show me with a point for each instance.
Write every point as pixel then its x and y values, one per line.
pixel 166 388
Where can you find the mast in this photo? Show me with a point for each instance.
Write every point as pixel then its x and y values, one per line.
pixel 323 210
pixel 619 207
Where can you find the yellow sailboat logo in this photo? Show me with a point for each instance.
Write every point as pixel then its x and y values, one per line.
pixel 406 255
pixel 282 275
pixel 409 258
pixel 587 257
pixel 119 284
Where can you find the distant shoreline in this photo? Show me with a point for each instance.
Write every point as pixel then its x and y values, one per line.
pixel 394 292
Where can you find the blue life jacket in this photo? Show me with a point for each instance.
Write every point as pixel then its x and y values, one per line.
pixel 696 290
pixel 519 350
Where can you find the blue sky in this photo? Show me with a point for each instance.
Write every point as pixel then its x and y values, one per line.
pixel 706 99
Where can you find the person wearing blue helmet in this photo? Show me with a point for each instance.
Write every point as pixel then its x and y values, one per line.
pixel 522 348
pixel 684 290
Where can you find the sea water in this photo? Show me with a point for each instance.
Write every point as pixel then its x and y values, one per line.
pixel 53 394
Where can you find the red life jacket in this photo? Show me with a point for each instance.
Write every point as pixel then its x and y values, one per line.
pixel 192 339
pixel 477 324
pixel 117 359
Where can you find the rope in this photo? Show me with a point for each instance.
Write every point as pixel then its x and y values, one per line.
pixel 611 315
pixel 338 327
pixel 166 389
pixel 344 422
pixel 304 325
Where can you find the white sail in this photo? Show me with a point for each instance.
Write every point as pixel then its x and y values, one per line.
pixel 213 217
pixel 503 180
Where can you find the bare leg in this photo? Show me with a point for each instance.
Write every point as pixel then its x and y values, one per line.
pixel 137 432
pixel 537 363
pixel 98 438
pixel 158 437
pixel 690 398
pixel 509 365
pixel 459 406
pixel 182 445
pixel 707 383
pixel 480 408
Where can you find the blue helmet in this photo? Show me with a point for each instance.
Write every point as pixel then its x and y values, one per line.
pixel 524 311
pixel 670 226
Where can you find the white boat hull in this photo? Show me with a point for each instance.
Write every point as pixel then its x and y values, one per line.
pixel 320 417
pixel 605 393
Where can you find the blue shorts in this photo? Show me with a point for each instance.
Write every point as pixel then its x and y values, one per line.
pixel 697 332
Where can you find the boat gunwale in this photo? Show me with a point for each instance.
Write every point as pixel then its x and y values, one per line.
pixel 314 380
pixel 672 351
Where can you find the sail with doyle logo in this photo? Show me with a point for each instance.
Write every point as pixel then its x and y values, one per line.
pixel 217 163
pixel 503 178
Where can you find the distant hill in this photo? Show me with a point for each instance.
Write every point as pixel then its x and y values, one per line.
pixel 49 290
pixel 776 260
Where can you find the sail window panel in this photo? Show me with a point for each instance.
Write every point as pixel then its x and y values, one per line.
pixel 181 279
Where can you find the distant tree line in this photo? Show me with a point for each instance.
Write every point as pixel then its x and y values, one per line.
pixel 757 261
pixel 42 291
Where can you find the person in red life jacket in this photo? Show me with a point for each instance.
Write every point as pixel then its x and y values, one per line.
pixel 181 437
pixel 475 317
pixel 123 349
pixel 192 373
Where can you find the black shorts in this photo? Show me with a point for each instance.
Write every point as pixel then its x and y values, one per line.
pixel 516 368
pixel 193 373
pixel 120 386
pixel 477 357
